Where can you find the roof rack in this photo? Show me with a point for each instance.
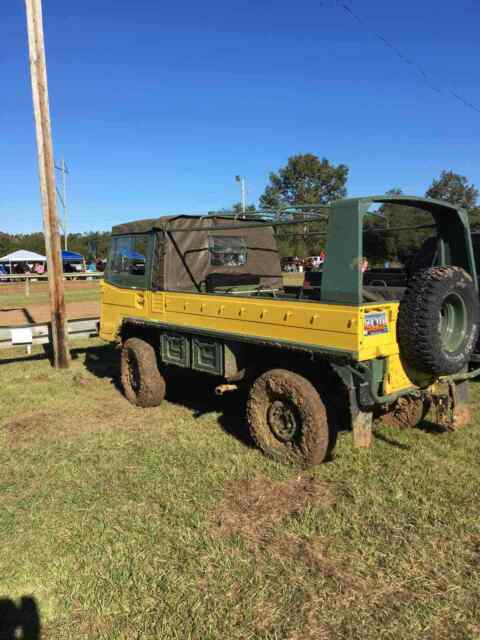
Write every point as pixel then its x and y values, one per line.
pixel 300 213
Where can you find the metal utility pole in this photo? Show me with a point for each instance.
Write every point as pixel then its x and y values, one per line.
pixel 63 199
pixel 38 73
pixel 241 179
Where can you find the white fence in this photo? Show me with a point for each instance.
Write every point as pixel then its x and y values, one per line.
pixel 29 278
pixel 33 334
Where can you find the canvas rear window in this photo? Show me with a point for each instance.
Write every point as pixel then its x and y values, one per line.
pixel 227 251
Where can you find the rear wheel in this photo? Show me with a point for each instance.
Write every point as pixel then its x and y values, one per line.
pixel 142 382
pixel 287 418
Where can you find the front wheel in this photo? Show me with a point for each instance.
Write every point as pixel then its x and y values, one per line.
pixel 142 382
pixel 287 418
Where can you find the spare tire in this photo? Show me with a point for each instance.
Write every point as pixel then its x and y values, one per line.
pixel 438 321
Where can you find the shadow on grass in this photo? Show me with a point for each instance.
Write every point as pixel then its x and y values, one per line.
pixel 195 391
pixel 432 428
pixel 30 358
pixel 103 362
pixel 22 310
pixel 47 354
pixel 19 620
pixel 388 440
pixel 427 426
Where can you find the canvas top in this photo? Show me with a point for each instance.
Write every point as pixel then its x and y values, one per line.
pixel 179 220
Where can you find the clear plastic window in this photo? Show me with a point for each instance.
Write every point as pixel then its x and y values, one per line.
pixel 127 261
pixel 227 251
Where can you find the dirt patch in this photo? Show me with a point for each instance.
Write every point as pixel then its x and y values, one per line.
pixel 79 380
pixel 252 507
pixel 462 417
pixel 25 424
pixel 300 557
pixel 35 313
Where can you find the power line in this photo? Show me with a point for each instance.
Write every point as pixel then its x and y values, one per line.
pixel 405 59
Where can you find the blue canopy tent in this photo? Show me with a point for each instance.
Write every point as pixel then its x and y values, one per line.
pixel 131 255
pixel 71 256
pixel 72 262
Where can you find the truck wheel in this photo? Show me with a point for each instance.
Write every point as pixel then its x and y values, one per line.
pixel 287 418
pixel 438 321
pixel 406 413
pixel 142 382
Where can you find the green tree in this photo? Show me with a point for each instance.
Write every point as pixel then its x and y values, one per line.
pixel 90 243
pixel 79 242
pixel 5 243
pixel 235 208
pixel 305 180
pixel 396 245
pixel 456 189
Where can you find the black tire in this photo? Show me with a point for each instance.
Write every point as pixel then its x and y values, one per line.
pixel 287 418
pixel 406 413
pixel 438 321
pixel 142 382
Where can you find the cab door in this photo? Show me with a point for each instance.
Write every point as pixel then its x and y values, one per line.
pixel 127 281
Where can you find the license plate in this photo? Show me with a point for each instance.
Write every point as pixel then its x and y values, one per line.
pixel 375 323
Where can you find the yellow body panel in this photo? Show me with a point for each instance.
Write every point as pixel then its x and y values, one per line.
pixel 315 324
pixel 117 304
pixel 396 378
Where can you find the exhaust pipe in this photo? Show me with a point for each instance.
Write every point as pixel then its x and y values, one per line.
pixel 224 388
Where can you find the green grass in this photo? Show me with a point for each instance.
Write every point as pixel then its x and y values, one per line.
pixel 167 523
pixel 18 298
pixel 293 279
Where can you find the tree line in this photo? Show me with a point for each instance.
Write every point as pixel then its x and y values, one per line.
pixel 308 181
pixel 92 244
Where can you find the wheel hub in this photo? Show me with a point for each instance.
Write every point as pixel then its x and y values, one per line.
pixel 282 420
pixel 453 322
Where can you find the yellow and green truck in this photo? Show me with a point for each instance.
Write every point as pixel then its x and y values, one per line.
pixel 207 294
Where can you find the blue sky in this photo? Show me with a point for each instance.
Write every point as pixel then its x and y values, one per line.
pixel 157 106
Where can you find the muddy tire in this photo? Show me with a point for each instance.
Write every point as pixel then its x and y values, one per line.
pixel 438 321
pixel 287 418
pixel 142 382
pixel 406 413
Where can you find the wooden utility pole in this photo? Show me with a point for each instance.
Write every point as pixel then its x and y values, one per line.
pixel 38 72
pixel 63 200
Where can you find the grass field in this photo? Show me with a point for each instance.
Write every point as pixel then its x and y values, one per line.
pixel 75 291
pixel 166 523
pixel 293 279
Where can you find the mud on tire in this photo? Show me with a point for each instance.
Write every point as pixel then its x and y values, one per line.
pixel 287 418
pixel 438 321
pixel 142 382
pixel 406 413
